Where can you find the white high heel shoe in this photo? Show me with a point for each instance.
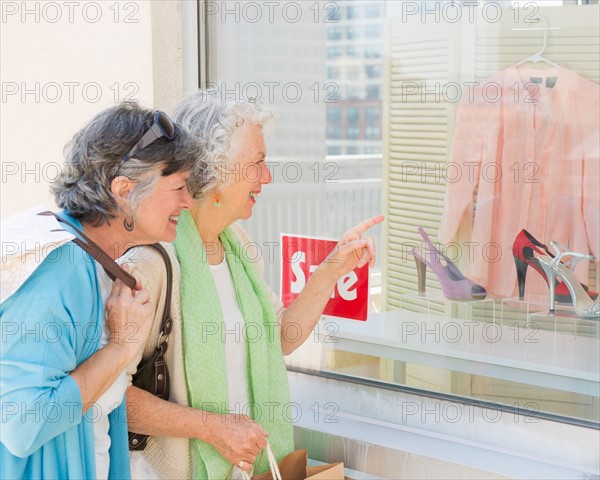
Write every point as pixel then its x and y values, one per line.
pixel 585 307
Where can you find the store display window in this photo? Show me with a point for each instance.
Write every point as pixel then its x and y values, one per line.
pixel 474 127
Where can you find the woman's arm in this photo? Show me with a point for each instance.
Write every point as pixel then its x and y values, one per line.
pixel 236 437
pixel 352 251
pixel 128 318
pixel 48 326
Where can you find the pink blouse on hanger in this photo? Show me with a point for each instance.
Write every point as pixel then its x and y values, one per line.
pixel 527 142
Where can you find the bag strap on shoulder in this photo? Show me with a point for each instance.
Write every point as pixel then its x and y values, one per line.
pixel 166 323
pixel 111 267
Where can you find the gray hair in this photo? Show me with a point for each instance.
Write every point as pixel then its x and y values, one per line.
pixel 93 158
pixel 214 120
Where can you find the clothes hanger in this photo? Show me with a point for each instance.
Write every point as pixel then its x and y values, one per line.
pixel 537 57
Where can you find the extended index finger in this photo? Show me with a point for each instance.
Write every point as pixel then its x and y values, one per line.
pixel 363 226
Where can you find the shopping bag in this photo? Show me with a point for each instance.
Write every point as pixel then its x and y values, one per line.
pixel 294 466
pixel 27 239
pixel 329 471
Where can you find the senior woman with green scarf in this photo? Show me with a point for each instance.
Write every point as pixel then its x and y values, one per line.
pixel 229 388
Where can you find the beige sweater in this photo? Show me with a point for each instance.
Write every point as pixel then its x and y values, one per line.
pixel 171 456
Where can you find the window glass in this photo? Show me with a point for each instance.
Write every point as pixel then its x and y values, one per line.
pixel 352 12
pixel 352 115
pixel 352 33
pixel 373 10
pixel 334 125
pixel 352 51
pixel 372 91
pixel 334 33
pixel 373 71
pixel 443 116
pixel 335 52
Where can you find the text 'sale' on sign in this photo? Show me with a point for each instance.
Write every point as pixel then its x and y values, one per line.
pixel 301 257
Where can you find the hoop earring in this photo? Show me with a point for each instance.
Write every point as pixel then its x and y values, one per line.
pixel 217 200
pixel 129 223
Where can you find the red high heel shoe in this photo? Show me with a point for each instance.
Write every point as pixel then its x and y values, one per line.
pixel 523 249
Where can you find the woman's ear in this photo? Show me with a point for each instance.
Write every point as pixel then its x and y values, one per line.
pixel 121 187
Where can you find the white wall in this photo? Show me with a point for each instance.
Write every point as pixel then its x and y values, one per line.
pixel 61 63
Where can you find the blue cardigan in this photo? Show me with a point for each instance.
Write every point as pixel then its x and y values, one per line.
pixel 48 327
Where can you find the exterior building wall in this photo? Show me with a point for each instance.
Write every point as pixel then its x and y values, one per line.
pixel 63 62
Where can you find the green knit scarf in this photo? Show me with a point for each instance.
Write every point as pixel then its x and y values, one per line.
pixel 204 346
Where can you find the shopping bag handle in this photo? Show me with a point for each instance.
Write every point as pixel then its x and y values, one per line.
pixel 275 473
pixel 112 268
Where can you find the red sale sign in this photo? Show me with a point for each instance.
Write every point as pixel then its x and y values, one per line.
pixel 301 257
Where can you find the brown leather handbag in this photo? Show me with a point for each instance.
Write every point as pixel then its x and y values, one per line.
pixel 152 374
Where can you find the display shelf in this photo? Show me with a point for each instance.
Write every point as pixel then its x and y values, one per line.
pixel 559 361
pixel 513 309
pixel 533 313
pixel 434 304
pixel 565 320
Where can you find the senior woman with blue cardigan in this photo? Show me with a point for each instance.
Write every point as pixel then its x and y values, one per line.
pixel 229 392
pixel 124 184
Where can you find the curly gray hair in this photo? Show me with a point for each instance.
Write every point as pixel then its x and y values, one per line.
pixel 93 158
pixel 214 120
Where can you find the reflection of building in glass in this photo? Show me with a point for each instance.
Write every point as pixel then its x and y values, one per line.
pixel 279 57
pixel 355 66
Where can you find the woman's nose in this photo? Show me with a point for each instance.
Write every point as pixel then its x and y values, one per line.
pixel 187 200
pixel 265 176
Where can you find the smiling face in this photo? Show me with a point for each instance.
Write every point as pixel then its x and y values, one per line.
pixel 156 215
pixel 248 174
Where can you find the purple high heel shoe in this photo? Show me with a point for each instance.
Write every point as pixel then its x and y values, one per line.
pixel 455 285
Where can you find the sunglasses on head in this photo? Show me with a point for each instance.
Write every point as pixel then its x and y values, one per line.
pixel 161 127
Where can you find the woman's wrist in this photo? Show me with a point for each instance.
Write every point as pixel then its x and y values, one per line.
pixel 205 425
pixel 122 352
pixel 325 274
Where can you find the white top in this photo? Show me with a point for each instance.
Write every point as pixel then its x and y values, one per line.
pixel 236 350
pixel 111 399
pixel 236 357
